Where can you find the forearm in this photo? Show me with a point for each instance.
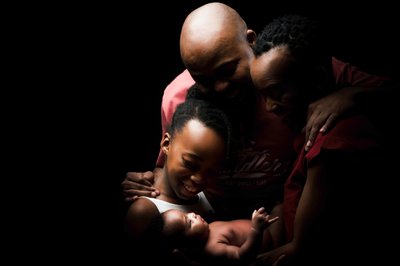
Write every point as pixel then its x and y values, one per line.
pixel 379 105
pixel 365 96
pixel 311 204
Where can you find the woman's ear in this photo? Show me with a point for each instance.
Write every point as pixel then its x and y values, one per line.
pixel 166 140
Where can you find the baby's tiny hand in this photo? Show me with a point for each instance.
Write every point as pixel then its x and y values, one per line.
pixel 261 220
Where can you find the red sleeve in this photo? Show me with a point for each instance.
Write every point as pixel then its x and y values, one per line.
pixel 350 135
pixel 347 75
pixel 174 94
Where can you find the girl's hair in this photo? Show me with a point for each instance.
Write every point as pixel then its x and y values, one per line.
pixel 206 113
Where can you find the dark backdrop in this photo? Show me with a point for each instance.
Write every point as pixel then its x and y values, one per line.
pixel 119 58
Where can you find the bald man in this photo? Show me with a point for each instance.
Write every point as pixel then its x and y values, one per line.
pixel 215 47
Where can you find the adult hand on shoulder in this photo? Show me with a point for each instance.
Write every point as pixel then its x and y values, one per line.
pixel 323 113
pixel 139 184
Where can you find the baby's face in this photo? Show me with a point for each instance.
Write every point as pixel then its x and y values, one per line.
pixel 190 225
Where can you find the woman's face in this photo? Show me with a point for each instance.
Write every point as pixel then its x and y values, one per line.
pixel 273 75
pixel 193 158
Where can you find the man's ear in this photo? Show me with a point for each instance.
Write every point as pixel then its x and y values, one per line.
pixel 166 140
pixel 251 36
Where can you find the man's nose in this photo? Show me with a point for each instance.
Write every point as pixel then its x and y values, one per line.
pixel 220 86
pixel 270 105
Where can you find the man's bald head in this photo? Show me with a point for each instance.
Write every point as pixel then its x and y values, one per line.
pixel 216 48
pixel 207 29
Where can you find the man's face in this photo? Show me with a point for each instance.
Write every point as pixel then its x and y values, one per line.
pixel 223 69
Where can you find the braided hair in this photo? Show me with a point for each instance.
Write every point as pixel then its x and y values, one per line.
pixel 208 114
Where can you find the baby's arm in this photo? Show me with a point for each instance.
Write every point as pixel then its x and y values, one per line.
pixel 260 221
pixel 224 249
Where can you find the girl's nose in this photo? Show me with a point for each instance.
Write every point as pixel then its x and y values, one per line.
pixel 197 179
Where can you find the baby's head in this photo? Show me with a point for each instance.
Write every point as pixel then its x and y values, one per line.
pixel 175 229
pixel 184 229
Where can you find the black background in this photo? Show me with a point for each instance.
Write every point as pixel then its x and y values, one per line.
pixel 110 63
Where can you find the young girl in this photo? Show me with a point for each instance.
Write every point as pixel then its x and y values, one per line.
pixel 195 145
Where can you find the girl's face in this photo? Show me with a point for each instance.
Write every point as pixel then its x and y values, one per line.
pixel 193 158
